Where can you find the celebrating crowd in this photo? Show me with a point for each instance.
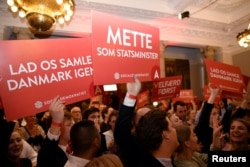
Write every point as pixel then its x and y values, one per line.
pixel 149 136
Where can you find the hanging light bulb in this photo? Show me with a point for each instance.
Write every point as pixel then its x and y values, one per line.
pixel 67 6
pixel 10 2
pixel 70 12
pixel 244 37
pixel 59 2
pixel 67 17
pixel 61 20
pixel 22 13
pixel 14 8
pixel 43 14
pixel 248 36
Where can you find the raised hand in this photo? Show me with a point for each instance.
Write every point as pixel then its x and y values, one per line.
pixel 214 90
pixel 133 88
pixel 56 110
pixel 218 136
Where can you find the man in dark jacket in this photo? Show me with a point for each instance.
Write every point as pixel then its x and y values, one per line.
pixel 155 139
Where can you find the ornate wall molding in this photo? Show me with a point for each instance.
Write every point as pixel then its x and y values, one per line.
pixel 193 31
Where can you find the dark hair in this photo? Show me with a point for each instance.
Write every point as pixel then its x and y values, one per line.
pixel 113 113
pixel 82 135
pixel 6 129
pixel 67 115
pixel 89 111
pixel 150 127
pixel 104 111
pixel 178 103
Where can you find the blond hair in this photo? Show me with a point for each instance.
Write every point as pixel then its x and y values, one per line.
pixel 105 160
pixel 183 134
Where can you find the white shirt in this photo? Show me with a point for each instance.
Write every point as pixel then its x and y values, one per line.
pixel 74 161
pixel 109 136
pixel 28 152
pixel 166 162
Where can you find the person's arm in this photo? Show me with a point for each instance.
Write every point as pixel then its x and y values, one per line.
pixel 197 117
pixel 194 108
pixel 203 126
pixel 50 150
pixel 122 133
pixel 208 105
pixel 56 110
pixel 126 112
pixel 241 111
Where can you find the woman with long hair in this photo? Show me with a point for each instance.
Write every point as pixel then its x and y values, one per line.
pixel 187 153
pixel 239 135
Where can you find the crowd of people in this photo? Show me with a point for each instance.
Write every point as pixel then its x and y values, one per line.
pixel 148 136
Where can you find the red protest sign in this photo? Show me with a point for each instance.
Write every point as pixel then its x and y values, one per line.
pixel 33 72
pixel 228 76
pixel 98 90
pixel 166 87
pixel 185 95
pixel 123 48
pixel 142 99
pixel 232 95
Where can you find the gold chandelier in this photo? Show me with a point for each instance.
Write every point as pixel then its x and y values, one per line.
pixel 244 37
pixel 43 14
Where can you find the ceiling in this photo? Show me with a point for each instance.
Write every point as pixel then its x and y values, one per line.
pixel 211 22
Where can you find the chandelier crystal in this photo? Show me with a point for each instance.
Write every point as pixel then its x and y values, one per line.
pixel 43 14
pixel 244 37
